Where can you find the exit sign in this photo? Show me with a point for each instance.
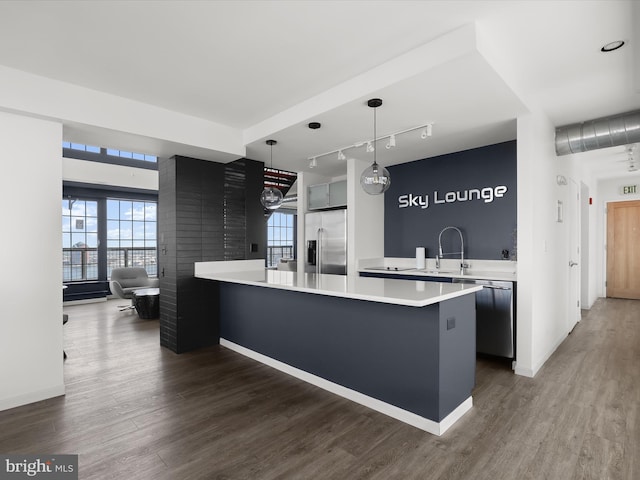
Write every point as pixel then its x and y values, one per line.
pixel 629 189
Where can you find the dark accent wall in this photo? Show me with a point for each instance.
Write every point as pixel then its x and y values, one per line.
pixel 427 195
pixel 206 211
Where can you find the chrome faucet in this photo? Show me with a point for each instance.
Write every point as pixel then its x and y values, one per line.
pixel 461 252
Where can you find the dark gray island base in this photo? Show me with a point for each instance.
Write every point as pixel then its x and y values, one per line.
pixel 401 355
pixel 408 354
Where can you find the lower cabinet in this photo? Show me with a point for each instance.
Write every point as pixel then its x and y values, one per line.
pixel 495 311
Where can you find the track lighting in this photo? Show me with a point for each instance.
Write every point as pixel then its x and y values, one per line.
pixel 426 129
pixel 313 163
pixel 392 141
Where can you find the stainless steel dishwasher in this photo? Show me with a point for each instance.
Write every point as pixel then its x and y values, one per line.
pixel 494 317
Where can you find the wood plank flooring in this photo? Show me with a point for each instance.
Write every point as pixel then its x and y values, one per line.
pixel 134 410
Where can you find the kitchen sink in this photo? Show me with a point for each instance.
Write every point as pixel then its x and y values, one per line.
pixel 439 272
pixel 390 268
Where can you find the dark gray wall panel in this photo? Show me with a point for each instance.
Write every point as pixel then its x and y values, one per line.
pixel 256 224
pixel 457 353
pixel 202 216
pixel 488 227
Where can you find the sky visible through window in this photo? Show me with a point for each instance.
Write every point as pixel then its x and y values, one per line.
pixel 280 237
pixel 111 151
pixel 131 233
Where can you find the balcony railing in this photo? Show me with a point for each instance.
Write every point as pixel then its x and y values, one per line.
pixel 81 264
pixel 275 253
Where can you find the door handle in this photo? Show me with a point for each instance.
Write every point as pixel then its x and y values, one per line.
pixel 572 263
pixel 319 250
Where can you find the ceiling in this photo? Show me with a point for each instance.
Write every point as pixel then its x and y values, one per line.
pixel 268 68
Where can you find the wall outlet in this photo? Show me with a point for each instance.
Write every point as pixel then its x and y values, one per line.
pixel 451 323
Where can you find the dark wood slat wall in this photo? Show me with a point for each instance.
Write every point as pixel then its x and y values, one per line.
pixel 207 212
pixel 235 220
pixel 167 253
pixel 256 245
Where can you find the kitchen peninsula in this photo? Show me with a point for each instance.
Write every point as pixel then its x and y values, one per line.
pixel 406 349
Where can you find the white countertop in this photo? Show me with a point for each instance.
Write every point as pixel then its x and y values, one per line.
pixel 478 269
pixel 383 290
pixel 471 274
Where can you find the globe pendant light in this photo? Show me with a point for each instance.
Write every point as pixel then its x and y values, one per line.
pixel 375 179
pixel 271 197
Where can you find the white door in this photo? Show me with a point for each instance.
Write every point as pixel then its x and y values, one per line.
pixel 573 255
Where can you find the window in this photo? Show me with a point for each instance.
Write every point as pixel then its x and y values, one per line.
pixel 109 155
pixel 101 229
pixel 81 147
pixel 280 237
pixel 79 240
pixel 135 156
pixel 132 235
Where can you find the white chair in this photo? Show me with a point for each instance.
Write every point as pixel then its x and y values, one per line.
pixel 126 280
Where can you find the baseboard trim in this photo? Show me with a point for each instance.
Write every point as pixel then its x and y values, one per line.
pixel 435 428
pixel 31 397
pixel 533 371
pixel 84 301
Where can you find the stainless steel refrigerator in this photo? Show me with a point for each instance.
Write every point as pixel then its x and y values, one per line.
pixel 326 242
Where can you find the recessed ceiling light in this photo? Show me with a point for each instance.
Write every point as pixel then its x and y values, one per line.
pixel 611 46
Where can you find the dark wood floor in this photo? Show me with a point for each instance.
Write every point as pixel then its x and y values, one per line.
pixel 134 410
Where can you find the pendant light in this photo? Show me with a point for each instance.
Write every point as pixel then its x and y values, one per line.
pixel 375 179
pixel 271 197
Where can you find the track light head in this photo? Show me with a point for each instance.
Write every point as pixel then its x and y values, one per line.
pixel 313 163
pixel 427 132
pixel 370 147
pixel 341 155
pixel 392 141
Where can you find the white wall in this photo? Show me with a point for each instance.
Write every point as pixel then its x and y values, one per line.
pixel 542 244
pixel 94 117
pixel 365 218
pixel 106 174
pixel 31 248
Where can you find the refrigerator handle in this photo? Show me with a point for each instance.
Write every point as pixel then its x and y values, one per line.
pixel 319 250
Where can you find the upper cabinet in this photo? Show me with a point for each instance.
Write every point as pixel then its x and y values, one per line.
pixel 327 195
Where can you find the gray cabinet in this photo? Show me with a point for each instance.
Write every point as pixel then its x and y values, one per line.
pixel 495 311
pixel 327 195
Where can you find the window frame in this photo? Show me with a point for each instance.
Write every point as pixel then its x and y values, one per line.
pixel 99 288
pixel 104 157
pixel 269 256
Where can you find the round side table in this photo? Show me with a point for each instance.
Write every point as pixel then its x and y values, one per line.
pixel 147 302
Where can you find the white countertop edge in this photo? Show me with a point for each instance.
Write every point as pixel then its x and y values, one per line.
pixel 228 266
pixel 496 276
pixel 499 270
pixel 463 290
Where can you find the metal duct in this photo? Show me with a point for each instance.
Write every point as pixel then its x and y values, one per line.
pixel 604 132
